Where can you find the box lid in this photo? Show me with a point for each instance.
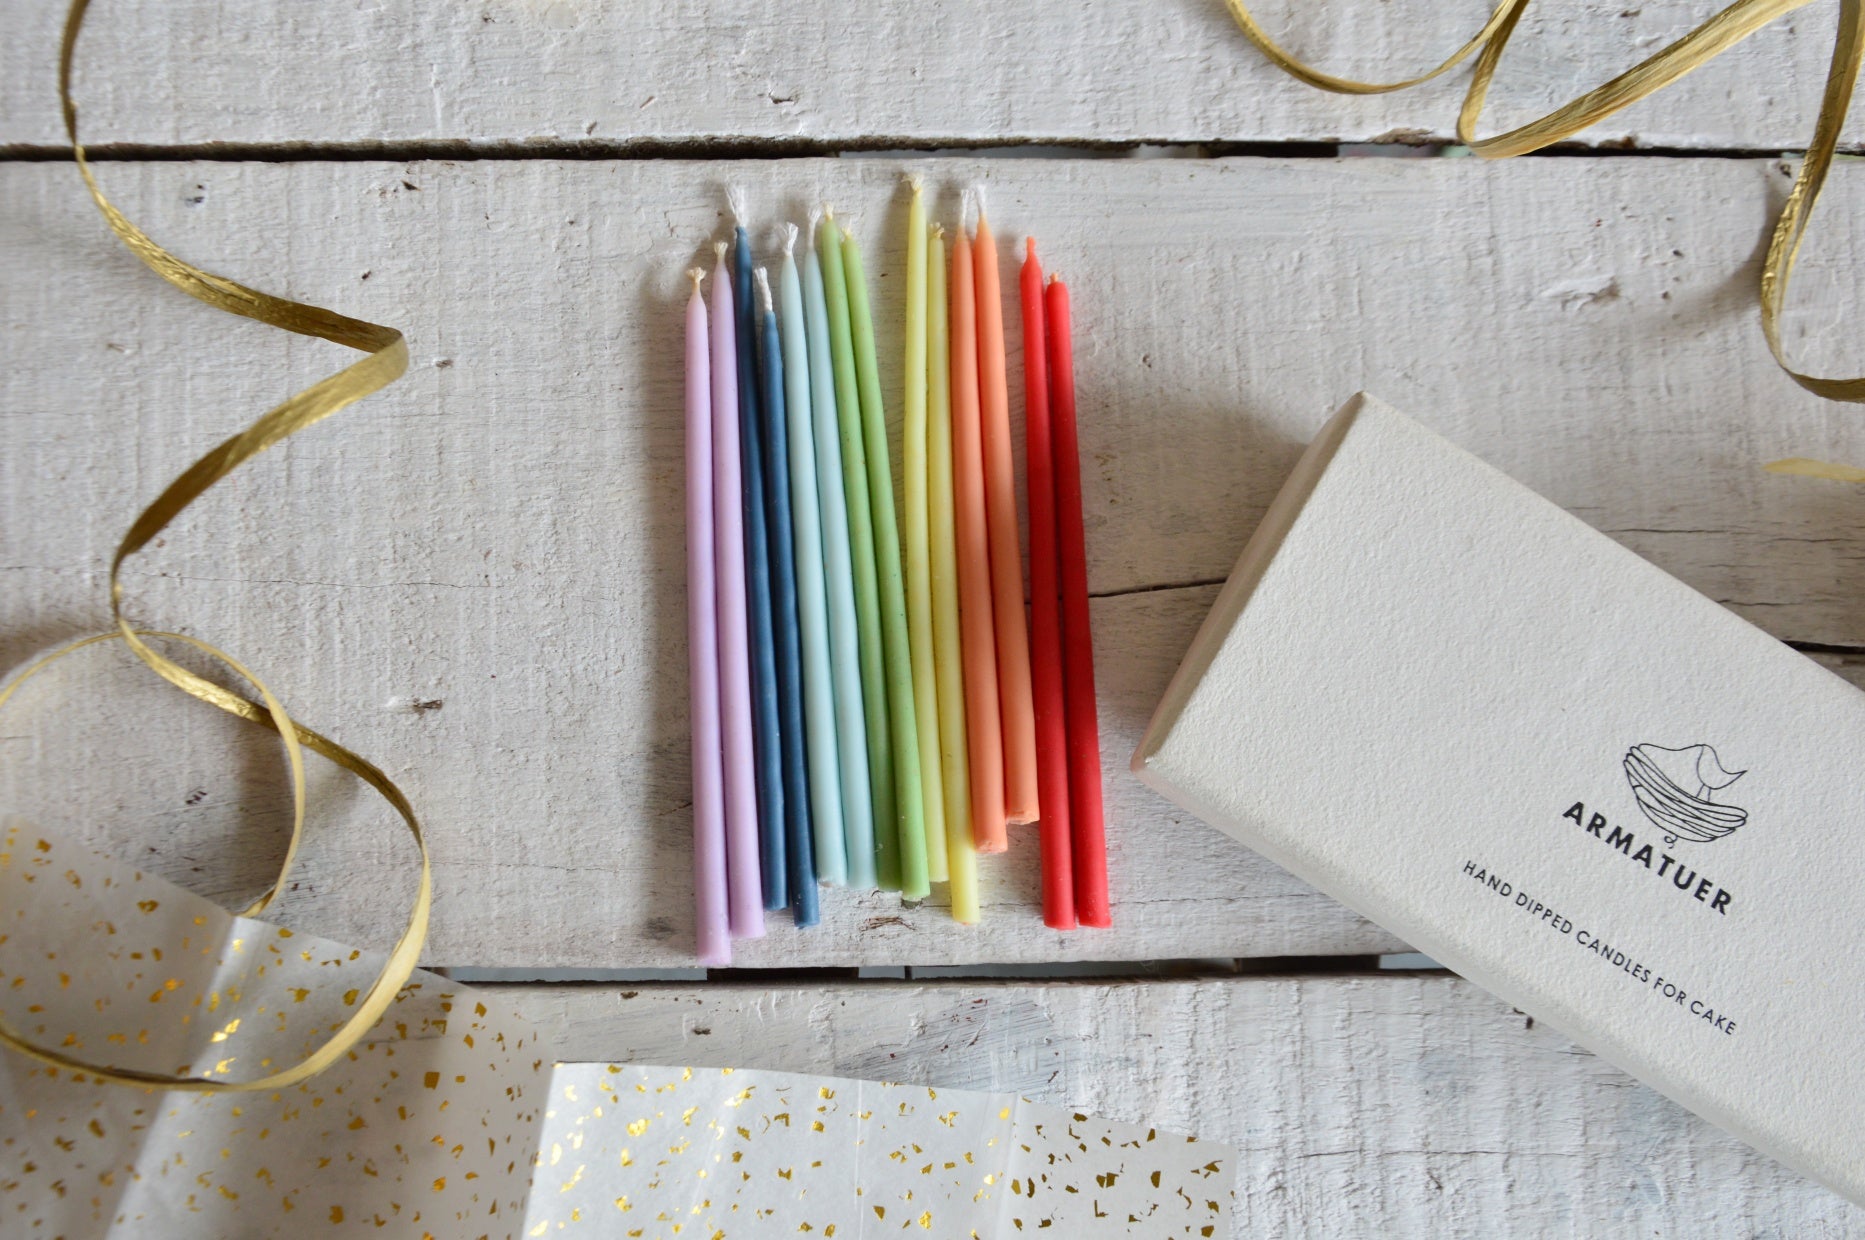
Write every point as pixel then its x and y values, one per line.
pixel 1558 770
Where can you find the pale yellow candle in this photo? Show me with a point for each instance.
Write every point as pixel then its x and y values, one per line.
pixel 918 540
pixel 948 653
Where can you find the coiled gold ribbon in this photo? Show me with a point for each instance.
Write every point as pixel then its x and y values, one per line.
pixel 387 360
pixel 1699 47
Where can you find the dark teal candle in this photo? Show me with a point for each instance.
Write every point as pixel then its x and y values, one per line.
pixel 798 846
pixel 766 738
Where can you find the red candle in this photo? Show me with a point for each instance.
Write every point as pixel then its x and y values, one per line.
pixel 977 624
pixel 1084 728
pixel 1052 770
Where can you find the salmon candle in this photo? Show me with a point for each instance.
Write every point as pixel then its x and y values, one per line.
pixel 1000 508
pixel 984 724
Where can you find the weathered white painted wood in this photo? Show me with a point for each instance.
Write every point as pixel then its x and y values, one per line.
pixel 1363 1106
pixel 497 537
pixel 586 72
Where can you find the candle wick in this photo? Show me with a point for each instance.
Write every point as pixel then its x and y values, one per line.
pixel 695 274
pixel 815 223
pixel 718 252
pixel 764 289
pixel 916 182
pixel 790 241
pixel 735 197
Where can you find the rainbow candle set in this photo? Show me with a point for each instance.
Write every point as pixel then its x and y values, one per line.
pixel 871 705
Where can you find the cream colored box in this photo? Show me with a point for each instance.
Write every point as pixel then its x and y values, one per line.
pixel 1552 767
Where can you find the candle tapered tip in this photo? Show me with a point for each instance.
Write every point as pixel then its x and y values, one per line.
pixel 916 183
pixel 718 250
pixel 764 288
pixel 1029 248
pixel 696 274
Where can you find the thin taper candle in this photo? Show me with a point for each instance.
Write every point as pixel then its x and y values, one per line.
pixel 765 710
pixel 1084 728
pixel 1021 802
pixel 948 663
pixel 855 475
pixel 916 522
pixel 903 729
pixel 851 735
pixel 711 916
pixel 799 850
pixel 1045 610
pixel 984 725
pixel 824 756
pixel 743 877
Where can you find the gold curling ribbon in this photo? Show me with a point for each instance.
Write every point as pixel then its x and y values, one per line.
pixel 387 360
pixel 1701 45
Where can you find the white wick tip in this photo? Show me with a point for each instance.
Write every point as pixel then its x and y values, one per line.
pixel 790 240
pixel 695 274
pixel 916 182
pixel 718 251
pixel 735 198
pixel 974 207
pixel 764 288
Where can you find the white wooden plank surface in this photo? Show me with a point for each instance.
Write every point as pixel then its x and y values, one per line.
pixel 964 71
pixel 1407 1105
pixel 499 532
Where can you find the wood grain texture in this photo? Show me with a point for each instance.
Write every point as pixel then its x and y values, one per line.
pixel 1406 1105
pixel 475 578
pixel 582 72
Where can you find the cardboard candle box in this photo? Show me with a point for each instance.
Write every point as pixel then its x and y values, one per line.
pixel 1551 766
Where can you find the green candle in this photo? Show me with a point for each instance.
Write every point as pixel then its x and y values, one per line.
pixel 949 657
pixel 909 805
pixel 855 473
pixel 918 542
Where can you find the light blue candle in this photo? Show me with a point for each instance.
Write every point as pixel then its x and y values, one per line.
pixel 825 788
pixel 851 721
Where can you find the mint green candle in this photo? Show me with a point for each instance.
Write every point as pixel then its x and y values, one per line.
pixel 909 803
pixel 856 480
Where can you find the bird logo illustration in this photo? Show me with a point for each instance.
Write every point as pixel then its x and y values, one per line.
pixel 1676 787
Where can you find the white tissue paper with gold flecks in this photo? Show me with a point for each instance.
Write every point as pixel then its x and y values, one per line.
pixel 452 1118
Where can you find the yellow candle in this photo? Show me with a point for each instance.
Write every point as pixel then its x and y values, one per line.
pixel 918 540
pixel 948 655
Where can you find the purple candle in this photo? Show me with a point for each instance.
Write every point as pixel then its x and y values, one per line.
pixel 711 919
pixel 744 876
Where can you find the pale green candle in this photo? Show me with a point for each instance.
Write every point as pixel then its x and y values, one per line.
pixel 855 474
pixel 851 738
pixel 825 781
pixel 949 658
pixel 909 802
pixel 918 542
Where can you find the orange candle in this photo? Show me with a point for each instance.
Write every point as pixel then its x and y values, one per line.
pixel 1000 510
pixel 983 723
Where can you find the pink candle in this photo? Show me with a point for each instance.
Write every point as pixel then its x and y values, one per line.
pixel 711 919
pixel 744 876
